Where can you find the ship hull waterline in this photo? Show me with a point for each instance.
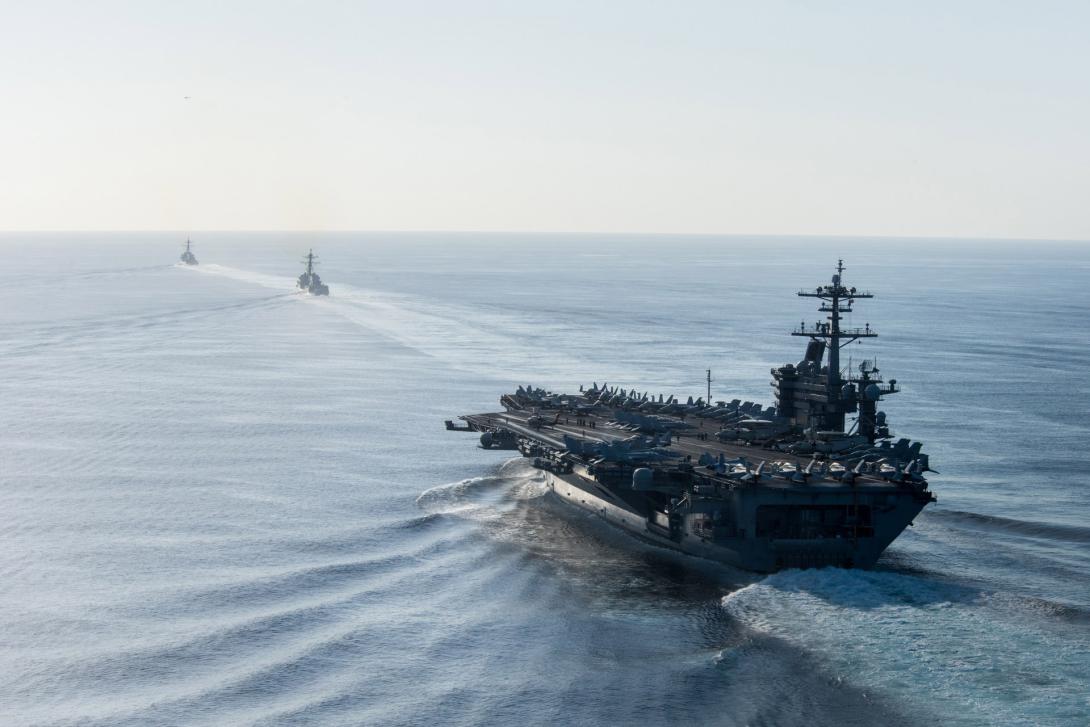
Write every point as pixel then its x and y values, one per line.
pixel 753 553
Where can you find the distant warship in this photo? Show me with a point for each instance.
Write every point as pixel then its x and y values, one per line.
pixel 310 281
pixel 760 488
pixel 188 257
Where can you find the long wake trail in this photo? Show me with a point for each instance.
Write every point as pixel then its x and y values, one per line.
pixel 465 338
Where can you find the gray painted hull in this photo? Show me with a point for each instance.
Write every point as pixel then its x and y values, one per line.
pixel 745 549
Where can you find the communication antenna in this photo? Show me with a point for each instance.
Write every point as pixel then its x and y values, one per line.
pixel 709 399
pixel 310 260
pixel 836 300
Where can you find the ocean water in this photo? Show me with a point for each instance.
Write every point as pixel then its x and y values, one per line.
pixel 222 502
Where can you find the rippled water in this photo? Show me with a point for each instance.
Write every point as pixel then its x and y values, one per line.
pixel 222 502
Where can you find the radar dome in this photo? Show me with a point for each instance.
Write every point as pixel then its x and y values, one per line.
pixel 872 392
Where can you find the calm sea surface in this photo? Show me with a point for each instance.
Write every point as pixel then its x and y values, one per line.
pixel 222 502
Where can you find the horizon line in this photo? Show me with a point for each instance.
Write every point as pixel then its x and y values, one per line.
pixel 769 235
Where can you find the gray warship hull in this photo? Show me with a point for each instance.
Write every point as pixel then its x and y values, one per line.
pixel 309 281
pixel 760 488
pixel 761 554
pixel 187 256
pixel 764 526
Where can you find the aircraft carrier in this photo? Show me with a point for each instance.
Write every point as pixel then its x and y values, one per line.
pixel 760 488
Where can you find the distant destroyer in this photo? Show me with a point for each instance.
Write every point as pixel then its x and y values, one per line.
pixel 188 257
pixel 310 281
pixel 760 488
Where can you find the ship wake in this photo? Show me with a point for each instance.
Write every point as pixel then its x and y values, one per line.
pixel 467 339
pixel 485 498
pixel 894 633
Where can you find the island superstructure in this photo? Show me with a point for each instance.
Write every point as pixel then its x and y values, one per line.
pixel 760 488
pixel 309 280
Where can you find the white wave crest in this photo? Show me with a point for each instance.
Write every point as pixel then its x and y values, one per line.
pixel 484 497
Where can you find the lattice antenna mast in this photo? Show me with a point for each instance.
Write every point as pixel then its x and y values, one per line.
pixel 836 299
pixel 310 258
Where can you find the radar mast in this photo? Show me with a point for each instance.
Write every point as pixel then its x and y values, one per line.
pixel 187 256
pixel 836 299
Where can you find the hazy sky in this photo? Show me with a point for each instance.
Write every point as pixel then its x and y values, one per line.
pixel 906 118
